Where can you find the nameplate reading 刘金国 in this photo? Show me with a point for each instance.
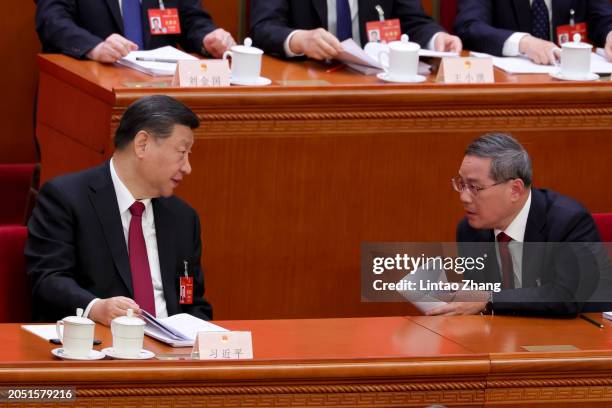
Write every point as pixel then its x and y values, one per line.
pixel 232 345
pixel 202 73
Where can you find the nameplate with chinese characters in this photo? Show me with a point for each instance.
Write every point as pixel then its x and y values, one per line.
pixel 202 73
pixel 467 70
pixel 231 345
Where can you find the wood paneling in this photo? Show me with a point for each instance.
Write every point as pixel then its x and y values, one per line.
pixel 19 45
pixel 226 14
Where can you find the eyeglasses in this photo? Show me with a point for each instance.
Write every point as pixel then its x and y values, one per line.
pixel 459 186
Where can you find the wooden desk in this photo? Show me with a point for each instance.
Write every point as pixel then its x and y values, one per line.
pixel 387 361
pixel 290 179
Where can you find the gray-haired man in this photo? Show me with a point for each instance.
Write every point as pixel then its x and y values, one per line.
pixel 503 210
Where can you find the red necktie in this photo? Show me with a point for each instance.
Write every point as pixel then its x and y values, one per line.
pixel 505 260
pixel 139 262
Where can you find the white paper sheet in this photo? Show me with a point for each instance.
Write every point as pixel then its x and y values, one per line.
pixel 522 65
pixel 44 331
pixel 156 68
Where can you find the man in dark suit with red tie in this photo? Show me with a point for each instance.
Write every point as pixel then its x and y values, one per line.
pixel 106 30
pixel 291 28
pixel 534 240
pixel 513 27
pixel 114 237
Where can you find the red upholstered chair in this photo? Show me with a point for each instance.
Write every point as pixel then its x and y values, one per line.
pixel 604 225
pixel 15 290
pixel 17 183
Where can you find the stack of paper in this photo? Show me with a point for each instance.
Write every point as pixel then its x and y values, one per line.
pixel 156 68
pixel 179 330
pixel 523 65
pixel 366 60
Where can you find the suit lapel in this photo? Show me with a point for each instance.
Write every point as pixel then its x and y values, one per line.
pixel 522 12
pixel 533 249
pixel 104 201
pixel 321 8
pixel 560 15
pixel 113 5
pixel 166 248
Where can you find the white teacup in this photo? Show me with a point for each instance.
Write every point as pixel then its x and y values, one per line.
pixel 246 61
pixel 575 59
pixel 402 59
pixel 128 335
pixel 78 335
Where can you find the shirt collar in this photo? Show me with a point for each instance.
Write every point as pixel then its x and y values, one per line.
pixel 516 229
pixel 125 199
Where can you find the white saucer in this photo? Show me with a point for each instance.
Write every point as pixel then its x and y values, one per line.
pixel 590 77
pixel 142 355
pixel 261 81
pixel 407 80
pixel 93 355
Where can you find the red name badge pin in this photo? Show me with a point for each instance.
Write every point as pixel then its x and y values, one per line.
pixel 566 33
pixel 186 290
pixel 163 22
pixel 383 31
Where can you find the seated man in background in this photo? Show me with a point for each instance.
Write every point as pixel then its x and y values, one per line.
pixel 105 31
pixel 510 220
pixel 511 28
pixel 113 237
pixel 291 28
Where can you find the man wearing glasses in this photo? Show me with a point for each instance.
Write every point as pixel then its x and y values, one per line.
pixel 503 211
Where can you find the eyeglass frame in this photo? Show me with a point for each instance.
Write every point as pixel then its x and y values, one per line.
pixel 477 189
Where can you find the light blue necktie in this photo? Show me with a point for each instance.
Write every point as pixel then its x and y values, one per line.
pixel 132 21
pixel 344 26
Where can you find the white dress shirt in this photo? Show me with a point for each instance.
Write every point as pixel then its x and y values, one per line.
pixel 511 45
pixel 332 23
pixel 125 199
pixel 516 231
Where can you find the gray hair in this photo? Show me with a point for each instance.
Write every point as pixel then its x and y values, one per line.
pixel 509 159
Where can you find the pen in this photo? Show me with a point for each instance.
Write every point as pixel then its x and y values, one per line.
pixel 336 68
pixel 149 59
pixel 595 322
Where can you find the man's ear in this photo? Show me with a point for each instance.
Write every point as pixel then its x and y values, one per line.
pixel 517 188
pixel 141 141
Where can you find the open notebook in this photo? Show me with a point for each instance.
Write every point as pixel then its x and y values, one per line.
pixel 179 330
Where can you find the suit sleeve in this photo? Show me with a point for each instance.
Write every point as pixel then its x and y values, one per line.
pixel 415 22
pixel 196 23
pixel 58 31
pixel 270 25
pixel 51 255
pixel 474 25
pixel 599 20
pixel 201 307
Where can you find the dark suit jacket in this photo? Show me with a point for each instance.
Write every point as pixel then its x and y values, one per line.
pixel 74 27
pixel 484 25
pixel 556 278
pixel 76 249
pixel 273 20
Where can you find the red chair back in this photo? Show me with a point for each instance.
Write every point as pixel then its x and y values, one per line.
pixel 15 289
pixel 16 182
pixel 604 225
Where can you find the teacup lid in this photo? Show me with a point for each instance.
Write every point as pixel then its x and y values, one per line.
pixel 129 319
pixel 404 45
pixel 576 43
pixel 78 319
pixel 247 47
